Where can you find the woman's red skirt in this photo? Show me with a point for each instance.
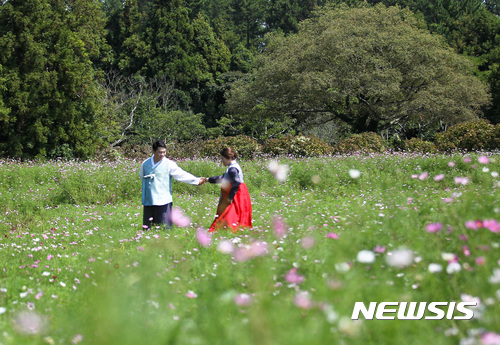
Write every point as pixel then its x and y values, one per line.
pixel 236 215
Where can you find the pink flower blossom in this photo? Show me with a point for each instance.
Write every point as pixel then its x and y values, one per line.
pixel 140 248
pixel 434 227
pixel 492 225
pixel 438 177
pixel 246 253
pixel 480 260
pixel 203 237
pixel 332 235
pixel 466 250
pixel 307 242
pixel 379 249
pixel 279 227
pixel 483 160
pixel 191 294
pixel 461 180
pixel 303 300
pixel 473 224
pixel 30 323
pixel 49 257
pixel 490 338
pixel 179 219
pixel 451 164
pixel 467 160
pixel 423 176
pixel 243 299
pixel 293 277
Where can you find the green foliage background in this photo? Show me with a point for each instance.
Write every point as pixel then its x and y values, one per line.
pixel 78 76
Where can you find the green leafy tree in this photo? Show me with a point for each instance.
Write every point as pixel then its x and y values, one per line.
pixel 50 98
pixel 373 68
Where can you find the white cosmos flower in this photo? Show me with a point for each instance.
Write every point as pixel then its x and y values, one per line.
pixel 354 173
pixel 225 247
pixel 453 267
pixel 401 257
pixel 448 256
pixel 366 257
pixel 435 268
pixel 279 171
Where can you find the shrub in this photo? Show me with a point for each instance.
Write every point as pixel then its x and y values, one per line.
pixel 300 146
pixel 419 145
pixel 244 145
pixel 367 142
pixel 471 135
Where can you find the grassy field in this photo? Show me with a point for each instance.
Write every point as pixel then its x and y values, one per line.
pixel 77 266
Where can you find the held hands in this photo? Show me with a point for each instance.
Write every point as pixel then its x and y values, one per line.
pixel 202 180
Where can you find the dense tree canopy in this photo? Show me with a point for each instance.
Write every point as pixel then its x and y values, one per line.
pixel 373 68
pixel 78 73
pixel 48 90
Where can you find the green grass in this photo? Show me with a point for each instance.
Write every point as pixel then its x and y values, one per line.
pixel 110 282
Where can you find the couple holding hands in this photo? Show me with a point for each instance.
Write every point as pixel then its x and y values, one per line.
pixel 234 209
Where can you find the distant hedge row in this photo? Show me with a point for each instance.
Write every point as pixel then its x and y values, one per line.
pixel 466 136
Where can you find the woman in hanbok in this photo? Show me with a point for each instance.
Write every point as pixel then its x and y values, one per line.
pixel 234 210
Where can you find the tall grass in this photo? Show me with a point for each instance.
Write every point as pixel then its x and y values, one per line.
pixel 76 259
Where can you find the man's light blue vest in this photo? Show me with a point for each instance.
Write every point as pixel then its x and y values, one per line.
pixel 157 190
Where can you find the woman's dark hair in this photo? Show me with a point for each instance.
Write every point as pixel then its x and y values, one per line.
pixel 229 153
pixel 157 144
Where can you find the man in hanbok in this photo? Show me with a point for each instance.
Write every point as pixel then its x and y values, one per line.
pixel 156 174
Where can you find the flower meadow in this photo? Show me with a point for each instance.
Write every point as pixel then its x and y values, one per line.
pixel 77 267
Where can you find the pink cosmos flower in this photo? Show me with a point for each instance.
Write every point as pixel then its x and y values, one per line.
pixel 423 176
pixel 379 249
pixel 246 253
pixel 438 177
pixel 483 160
pixel 293 277
pixel 490 338
pixel 492 225
pixel 307 242
pixel 49 257
pixel 203 237
pixel 279 227
pixel 434 227
pixel 473 225
pixel 191 294
pixel 303 300
pixel 451 164
pixel 179 219
pixel 461 180
pixel 467 160
pixel 243 299
pixel 332 235
pixel 466 250
pixel 30 322
pixel 480 260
